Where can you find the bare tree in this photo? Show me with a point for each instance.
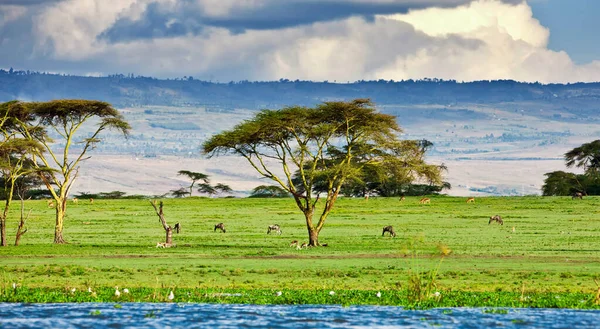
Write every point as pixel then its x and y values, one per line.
pixel 163 221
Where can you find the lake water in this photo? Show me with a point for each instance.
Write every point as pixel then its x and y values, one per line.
pixel 150 315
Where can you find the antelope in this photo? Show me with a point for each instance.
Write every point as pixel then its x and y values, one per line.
pixel 497 219
pixel 50 203
pixel 471 200
pixel 425 200
pixel 91 200
pixel 177 227
pixel 366 197
pixel 164 245
pixel 390 230
pixel 274 228
pixel 304 245
pixel 577 195
pixel 402 198
pixel 221 227
pixel 294 243
pixel 75 201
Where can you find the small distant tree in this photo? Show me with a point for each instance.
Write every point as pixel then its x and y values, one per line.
pixel 223 188
pixel 330 143
pixel 561 183
pixel 194 177
pixel 207 188
pixel 269 191
pixel 180 193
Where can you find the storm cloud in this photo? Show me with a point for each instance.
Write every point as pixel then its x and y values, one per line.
pixel 335 40
pixel 185 17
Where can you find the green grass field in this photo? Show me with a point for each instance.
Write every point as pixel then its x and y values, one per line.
pixel 555 246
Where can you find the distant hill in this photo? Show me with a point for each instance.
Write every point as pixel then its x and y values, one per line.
pixel 130 91
pixel 495 137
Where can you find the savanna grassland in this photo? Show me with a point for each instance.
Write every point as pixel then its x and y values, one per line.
pixel 446 247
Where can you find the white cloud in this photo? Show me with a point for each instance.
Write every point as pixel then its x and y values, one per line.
pixel 486 39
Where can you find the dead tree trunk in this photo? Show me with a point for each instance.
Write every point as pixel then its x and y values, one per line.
pixel 21 229
pixel 168 229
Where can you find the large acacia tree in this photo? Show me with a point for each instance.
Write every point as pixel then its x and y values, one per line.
pixel 311 152
pixel 59 160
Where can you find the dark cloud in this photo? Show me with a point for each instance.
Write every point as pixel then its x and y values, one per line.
pixel 27 2
pixel 187 17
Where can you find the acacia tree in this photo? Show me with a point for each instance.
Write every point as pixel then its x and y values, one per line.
pixel 194 176
pixel 223 188
pixel 65 118
pixel 586 156
pixel 269 191
pixel 15 160
pixel 328 144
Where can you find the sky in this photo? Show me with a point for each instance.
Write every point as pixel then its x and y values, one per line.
pixel 334 40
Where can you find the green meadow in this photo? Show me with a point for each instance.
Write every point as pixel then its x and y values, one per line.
pixel 548 247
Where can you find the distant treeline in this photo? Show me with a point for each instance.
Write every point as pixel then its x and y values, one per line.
pixel 129 90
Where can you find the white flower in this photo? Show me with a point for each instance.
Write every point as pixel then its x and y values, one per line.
pixel 73 290
pixel 171 295
pixel 117 292
pixel 278 293
pixel 437 294
pixel 125 291
pixel 90 289
pixel 332 293
pixel 14 285
pixel 378 294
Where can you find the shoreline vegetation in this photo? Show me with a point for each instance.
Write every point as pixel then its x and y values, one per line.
pixel 445 253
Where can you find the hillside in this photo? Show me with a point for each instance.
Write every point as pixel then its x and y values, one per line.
pixel 496 137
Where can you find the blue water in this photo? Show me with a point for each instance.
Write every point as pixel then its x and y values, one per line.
pixel 150 315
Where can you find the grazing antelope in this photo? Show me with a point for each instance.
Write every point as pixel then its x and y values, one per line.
pixel 221 227
pixel 497 219
pixel 402 198
pixel 577 195
pixel 50 203
pixel 75 201
pixel 274 228
pixel 164 245
pixel 471 200
pixel 425 200
pixel 390 230
pixel 304 245
pixel 91 200
pixel 366 197
pixel 177 227
pixel 294 243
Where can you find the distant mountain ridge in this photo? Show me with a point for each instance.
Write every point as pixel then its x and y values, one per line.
pixel 130 91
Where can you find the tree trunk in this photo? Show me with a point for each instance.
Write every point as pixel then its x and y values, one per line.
pixel 313 238
pixel 4 216
pixel 21 229
pixel 60 217
pixel 169 239
pixel 3 231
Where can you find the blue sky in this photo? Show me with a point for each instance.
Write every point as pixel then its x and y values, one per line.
pixel 341 40
pixel 574 26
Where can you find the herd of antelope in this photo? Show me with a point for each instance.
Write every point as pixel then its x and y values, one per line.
pixel 277 229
